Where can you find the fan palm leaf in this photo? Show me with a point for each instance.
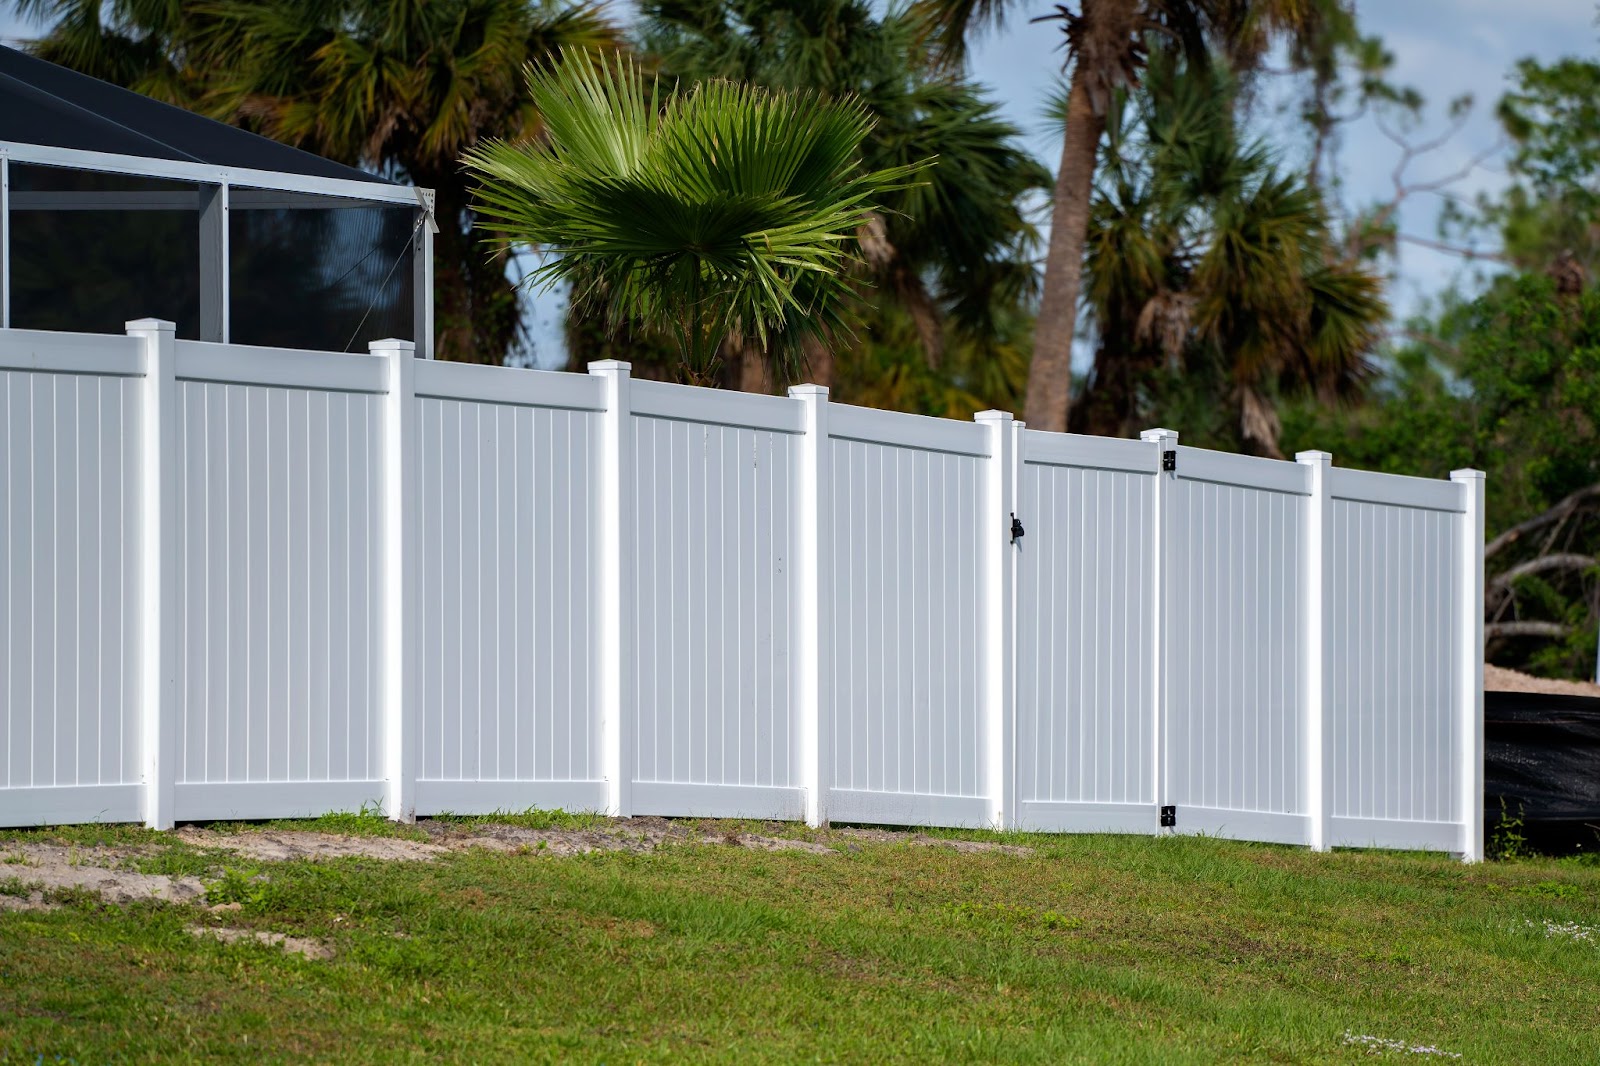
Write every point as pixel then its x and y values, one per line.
pixel 725 210
pixel 941 248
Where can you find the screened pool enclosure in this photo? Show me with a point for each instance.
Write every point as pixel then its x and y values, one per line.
pixel 114 207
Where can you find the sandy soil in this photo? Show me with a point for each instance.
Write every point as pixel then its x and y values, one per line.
pixel 310 947
pixel 966 847
pixel 1499 679
pixel 279 846
pixel 48 867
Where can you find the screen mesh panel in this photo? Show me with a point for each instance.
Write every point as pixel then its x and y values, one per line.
pixel 319 272
pixel 90 251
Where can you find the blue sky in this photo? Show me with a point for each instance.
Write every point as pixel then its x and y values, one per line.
pixel 1442 47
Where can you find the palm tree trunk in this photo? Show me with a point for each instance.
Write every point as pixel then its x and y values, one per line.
pixel 818 368
pixel 755 372
pixel 1050 373
pixel 476 313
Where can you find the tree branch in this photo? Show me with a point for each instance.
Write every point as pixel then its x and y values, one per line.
pixel 1553 630
pixel 1409 152
pixel 1453 249
pixel 1559 561
pixel 1566 507
pixel 1427 340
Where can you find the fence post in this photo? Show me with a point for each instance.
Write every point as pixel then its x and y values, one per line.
pixel 1166 441
pixel 816 743
pixel 158 569
pixel 1314 649
pixel 1470 681
pixel 616 614
pixel 398 654
pixel 999 549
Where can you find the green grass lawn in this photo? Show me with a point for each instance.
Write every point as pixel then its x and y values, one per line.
pixel 1090 949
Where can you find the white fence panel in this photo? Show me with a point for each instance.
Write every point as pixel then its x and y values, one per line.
pixel 1086 634
pixel 278 598
pixel 246 583
pixel 506 670
pixel 1232 647
pixel 716 732
pixel 1395 661
pixel 905 598
pixel 69 511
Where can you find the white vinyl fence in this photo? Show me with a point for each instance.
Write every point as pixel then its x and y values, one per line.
pixel 247 583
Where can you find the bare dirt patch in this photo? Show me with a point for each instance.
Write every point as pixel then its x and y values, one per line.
pixel 641 835
pixel 965 847
pixel 636 835
pixel 58 866
pixel 765 843
pixel 1499 679
pixel 287 845
pixel 294 945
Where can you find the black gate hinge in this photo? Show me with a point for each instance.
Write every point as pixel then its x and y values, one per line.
pixel 1169 460
pixel 1016 528
pixel 1169 817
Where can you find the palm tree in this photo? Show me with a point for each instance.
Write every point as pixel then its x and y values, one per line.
pixel 400 87
pixel 1107 42
pixel 1201 254
pixel 722 212
pixel 950 248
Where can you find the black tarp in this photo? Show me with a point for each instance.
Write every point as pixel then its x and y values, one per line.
pixel 41 103
pixel 1542 757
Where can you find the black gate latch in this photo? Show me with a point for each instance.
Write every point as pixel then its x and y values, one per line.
pixel 1169 817
pixel 1016 527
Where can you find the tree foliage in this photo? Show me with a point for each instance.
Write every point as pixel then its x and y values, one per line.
pixel 1552 208
pixel 952 251
pixel 722 210
pixel 1203 255
pixel 1107 46
pixel 1508 383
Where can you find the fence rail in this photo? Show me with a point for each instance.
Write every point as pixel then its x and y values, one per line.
pixel 246 583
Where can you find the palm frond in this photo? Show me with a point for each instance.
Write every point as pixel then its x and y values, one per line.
pixel 721 210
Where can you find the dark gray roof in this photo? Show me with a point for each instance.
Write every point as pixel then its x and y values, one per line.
pixel 41 103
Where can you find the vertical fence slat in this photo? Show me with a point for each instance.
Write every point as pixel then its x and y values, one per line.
pixel 397 685
pixel 1469 614
pixel 1160 571
pixel 1315 649
pixel 998 694
pixel 614 617
pixel 812 572
pixel 158 557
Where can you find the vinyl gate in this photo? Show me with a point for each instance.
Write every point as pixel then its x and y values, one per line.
pixel 244 583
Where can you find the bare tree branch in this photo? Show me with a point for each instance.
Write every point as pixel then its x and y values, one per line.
pixel 1403 189
pixel 1409 150
pixel 1428 340
pixel 1524 629
pixel 1453 249
pixel 1560 561
pixel 1560 511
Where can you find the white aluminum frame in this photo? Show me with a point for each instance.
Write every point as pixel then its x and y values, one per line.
pixel 213 174
pixel 5 241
